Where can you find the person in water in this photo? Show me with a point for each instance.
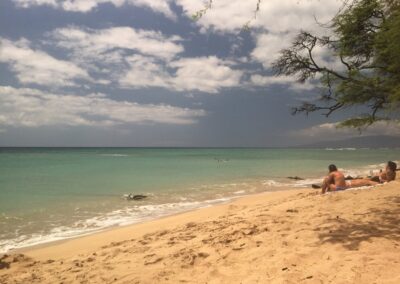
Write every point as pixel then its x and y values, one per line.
pixel 336 181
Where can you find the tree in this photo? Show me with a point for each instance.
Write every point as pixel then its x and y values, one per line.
pixel 365 41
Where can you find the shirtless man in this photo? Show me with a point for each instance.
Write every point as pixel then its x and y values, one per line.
pixel 334 181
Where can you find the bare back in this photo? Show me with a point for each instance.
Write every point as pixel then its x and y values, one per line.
pixel 338 179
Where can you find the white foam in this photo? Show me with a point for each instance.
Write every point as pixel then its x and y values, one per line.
pixel 121 217
pixel 340 149
pixel 307 182
pixel 274 183
pixel 368 170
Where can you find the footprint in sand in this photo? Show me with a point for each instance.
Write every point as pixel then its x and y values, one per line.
pixel 143 242
pixel 292 211
pixel 250 231
pixel 162 233
pixel 152 259
pixel 187 237
pixel 239 247
pixel 191 225
pixel 188 257
pixel 203 254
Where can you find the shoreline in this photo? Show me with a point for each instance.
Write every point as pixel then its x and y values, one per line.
pixel 289 236
pixel 204 204
pixel 37 247
pixel 229 200
pixel 64 219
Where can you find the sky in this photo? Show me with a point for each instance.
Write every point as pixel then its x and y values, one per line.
pixel 143 73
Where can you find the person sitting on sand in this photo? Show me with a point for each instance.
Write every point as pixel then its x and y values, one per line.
pixel 336 181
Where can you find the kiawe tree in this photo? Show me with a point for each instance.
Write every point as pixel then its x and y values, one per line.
pixel 364 44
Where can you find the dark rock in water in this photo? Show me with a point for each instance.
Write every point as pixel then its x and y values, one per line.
pixel 315 186
pixel 296 178
pixel 131 196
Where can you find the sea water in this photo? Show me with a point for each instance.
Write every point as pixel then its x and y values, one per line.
pixel 49 194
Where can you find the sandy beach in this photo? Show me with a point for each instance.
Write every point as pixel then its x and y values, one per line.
pixel 291 236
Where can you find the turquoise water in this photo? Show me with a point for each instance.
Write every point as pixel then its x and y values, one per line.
pixel 54 193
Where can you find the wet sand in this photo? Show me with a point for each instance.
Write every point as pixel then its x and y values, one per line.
pixel 291 236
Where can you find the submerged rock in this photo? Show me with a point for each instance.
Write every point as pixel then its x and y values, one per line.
pixel 296 178
pixel 131 196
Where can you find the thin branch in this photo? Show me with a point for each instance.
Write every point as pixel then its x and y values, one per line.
pixel 349 68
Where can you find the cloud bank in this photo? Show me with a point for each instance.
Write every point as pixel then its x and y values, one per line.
pixel 327 130
pixel 85 6
pixel 25 107
pixel 37 67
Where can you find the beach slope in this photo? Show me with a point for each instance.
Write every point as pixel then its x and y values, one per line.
pixel 292 236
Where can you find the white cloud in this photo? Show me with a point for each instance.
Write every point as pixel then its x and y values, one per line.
pixel 330 130
pixel 206 74
pixel 29 3
pixel 259 80
pixel 37 67
pixel 23 107
pixel 225 15
pixel 282 22
pixel 84 6
pixel 268 46
pixel 160 6
pixel 276 24
pixel 78 5
pixel 140 59
pixel 145 72
pixel 276 16
pixel 98 43
pixel 274 27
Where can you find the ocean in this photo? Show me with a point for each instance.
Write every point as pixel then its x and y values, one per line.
pixel 49 194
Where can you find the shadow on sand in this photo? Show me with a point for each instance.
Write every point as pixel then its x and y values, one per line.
pixel 380 223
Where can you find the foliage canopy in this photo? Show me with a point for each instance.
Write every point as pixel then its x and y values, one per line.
pixel 365 43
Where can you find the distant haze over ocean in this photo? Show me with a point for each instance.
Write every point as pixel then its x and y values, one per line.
pixel 359 142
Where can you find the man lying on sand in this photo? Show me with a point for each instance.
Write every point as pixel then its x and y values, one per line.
pixel 336 181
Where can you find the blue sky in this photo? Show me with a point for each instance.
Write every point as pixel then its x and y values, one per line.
pixel 143 73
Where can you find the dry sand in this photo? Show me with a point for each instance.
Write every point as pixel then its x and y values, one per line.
pixel 291 236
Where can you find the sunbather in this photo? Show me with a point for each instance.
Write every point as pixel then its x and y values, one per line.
pixel 389 174
pixel 336 181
